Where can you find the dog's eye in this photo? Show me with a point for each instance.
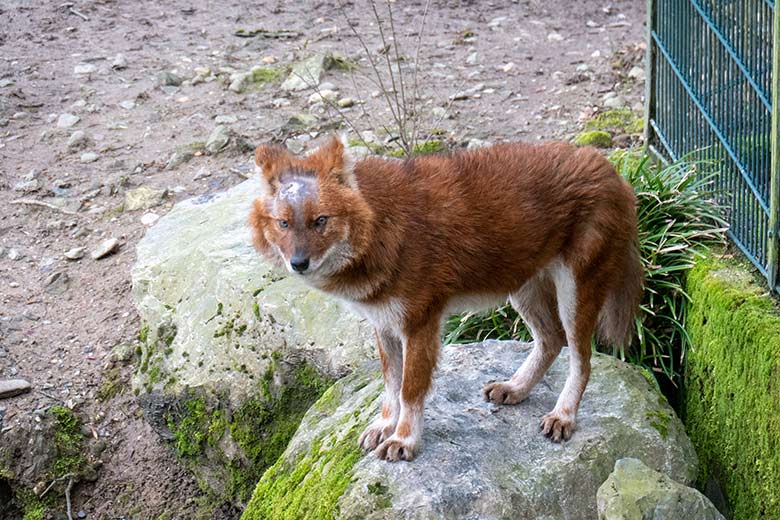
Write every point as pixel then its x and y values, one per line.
pixel 321 221
pixel 283 224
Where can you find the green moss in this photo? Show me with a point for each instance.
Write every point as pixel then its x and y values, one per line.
pixel 621 120
pixel 195 427
pixel 311 486
pixel 266 74
pixel 33 508
pixel 732 386
pixel 424 148
pixel 660 421
pixel 597 138
pixel 263 427
pixel 68 442
pixel 111 386
pixel 143 334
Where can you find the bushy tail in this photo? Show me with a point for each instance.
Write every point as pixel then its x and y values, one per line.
pixel 616 320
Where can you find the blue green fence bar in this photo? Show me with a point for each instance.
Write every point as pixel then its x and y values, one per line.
pixel 712 91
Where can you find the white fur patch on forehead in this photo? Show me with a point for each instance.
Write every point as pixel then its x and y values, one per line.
pixel 291 190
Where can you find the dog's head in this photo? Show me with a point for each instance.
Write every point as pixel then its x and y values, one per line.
pixel 310 217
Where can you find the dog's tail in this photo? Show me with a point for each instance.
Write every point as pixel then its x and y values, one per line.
pixel 616 320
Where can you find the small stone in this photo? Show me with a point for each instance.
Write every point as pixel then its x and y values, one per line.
pixel 81 514
pixel 179 157
pixel 122 352
pixel 57 283
pixel 301 121
pixel 75 253
pixel 477 143
pixel 345 102
pixel 17 116
pixel 143 198
pixel 13 387
pixel 169 79
pixel 78 139
pixel 67 120
pixel 14 254
pixel 218 139
pixel 225 119
pixel 268 60
pixel 305 74
pixel 614 101
pixel 509 66
pixel 28 186
pixel 238 81
pixel 169 89
pixel 554 37
pixel 323 95
pixel 327 85
pixel 149 219
pixel 472 59
pixel 127 104
pixel 84 68
pixel 202 174
pixel 89 157
pixel 119 63
pixel 637 73
pixel 105 248
pixel 496 22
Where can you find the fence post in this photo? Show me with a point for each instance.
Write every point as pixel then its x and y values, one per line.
pixel 649 73
pixel 774 186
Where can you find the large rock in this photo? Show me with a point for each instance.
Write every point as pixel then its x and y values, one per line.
pixel 306 74
pixel 232 351
pixel 635 492
pixel 478 460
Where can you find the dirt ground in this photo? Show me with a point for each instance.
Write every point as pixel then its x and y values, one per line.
pixel 530 70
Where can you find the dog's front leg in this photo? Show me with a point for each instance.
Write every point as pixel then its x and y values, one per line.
pixel 392 357
pixel 420 353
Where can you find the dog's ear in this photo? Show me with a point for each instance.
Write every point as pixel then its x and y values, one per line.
pixel 270 160
pixel 333 160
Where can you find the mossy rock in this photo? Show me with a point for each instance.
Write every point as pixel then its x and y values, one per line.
pixel 225 329
pixel 619 120
pixel 477 460
pixel 597 138
pixel 732 383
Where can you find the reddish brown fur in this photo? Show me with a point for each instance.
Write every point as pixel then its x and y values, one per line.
pixel 432 229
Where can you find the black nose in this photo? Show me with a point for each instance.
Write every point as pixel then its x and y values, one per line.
pixel 299 264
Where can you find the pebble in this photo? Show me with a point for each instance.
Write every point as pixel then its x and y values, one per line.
pixel 554 37
pixel 509 66
pixel 127 104
pixel 13 387
pixel 78 139
pixel 638 73
pixel 84 68
pixel 107 247
pixel 327 85
pixel 67 120
pixel 268 60
pixel 143 197
pixel 202 174
pixel 81 514
pixel 218 139
pixel 119 63
pixel 439 112
pixel 345 102
pixel 472 59
pixel 169 79
pixel 27 186
pixel 225 119
pixel 323 95
pixel 150 219
pixel 57 283
pixel 88 157
pixel 75 253
pixel 14 254
pixel 20 115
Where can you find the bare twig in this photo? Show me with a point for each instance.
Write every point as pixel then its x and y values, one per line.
pixel 393 108
pixel 58 479
pixel 415 119
pixel 69 7
pixel 34 202
pixel 67 499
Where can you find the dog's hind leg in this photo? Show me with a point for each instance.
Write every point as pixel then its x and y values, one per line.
pixel 580 298
pixel 536 303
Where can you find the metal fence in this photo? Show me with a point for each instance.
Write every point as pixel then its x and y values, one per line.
pixel 712 89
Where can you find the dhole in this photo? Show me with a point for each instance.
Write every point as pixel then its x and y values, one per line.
pixel 551 227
